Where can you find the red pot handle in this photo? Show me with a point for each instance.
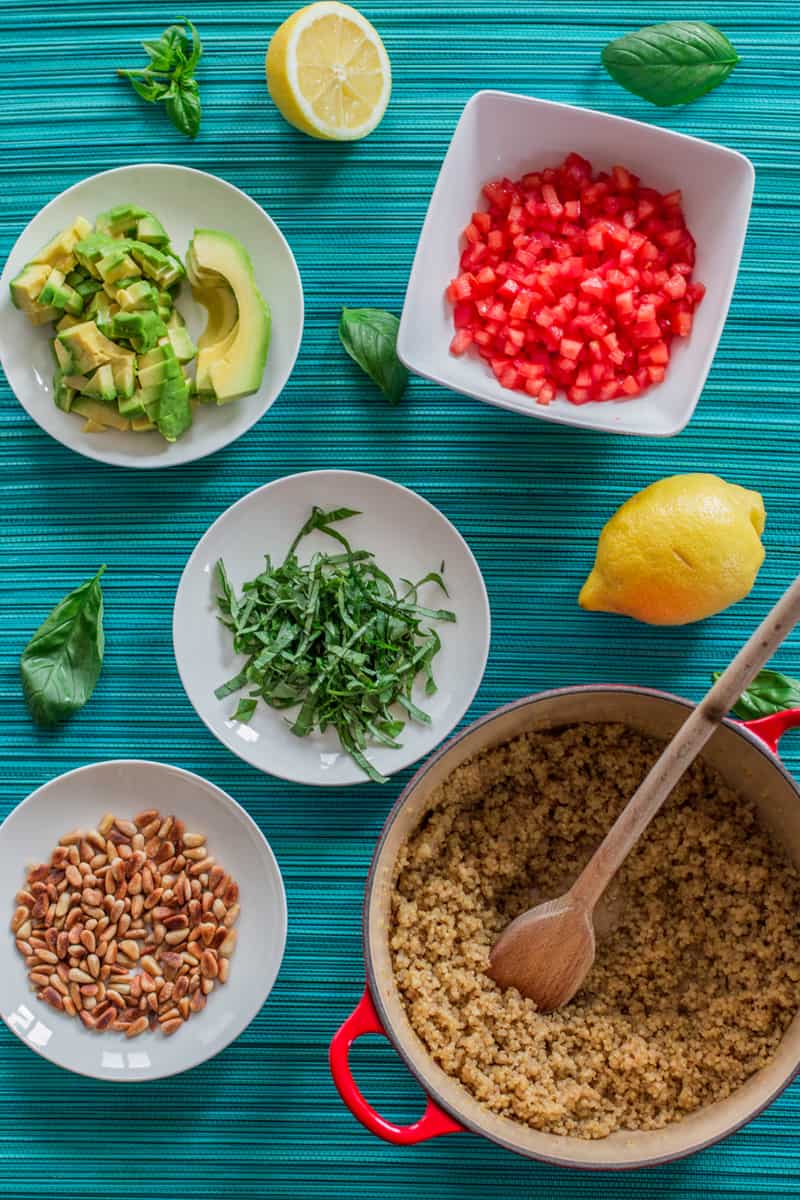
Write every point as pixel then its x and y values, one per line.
pixel 771 729
pixel 434 1121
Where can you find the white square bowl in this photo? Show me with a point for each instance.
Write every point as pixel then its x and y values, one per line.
pixel 504 134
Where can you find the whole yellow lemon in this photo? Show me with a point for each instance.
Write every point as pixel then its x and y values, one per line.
pixel 681 550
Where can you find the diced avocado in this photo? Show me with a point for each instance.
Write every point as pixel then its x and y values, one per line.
pixel 158 373
pixel 77 382
pixel 178 334
pixel 120 220
pixel 149 229
pixel 239 368
pixel 90 348
pixel 67 322
pixel 101 384
pixel 60 251
pixel 42 316
pixel 140 294
pixel 90 250
pixel 124 375
pixel 142 329
pixel 116 266
pixel 141 424
pixel 160 352
pixel 63 394
pixel 63 354
pixel 77 275
pixel 132 407
pixel 57 293
pixel 87 287
pixel 174 410
pixel 98 306
pixel 97 410
pixel 94 427
pixel 145 397
pixel 165 269
pixel 27 285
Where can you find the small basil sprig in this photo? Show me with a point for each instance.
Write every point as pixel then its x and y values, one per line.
pixel 672 63
pixel 770 692
pixel 61 663
pixel 369 335
pixel 169 76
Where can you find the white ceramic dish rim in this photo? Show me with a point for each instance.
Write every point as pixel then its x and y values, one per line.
pixel 89 451
pixel 323 782
pixel 544 412
pixel 238 1027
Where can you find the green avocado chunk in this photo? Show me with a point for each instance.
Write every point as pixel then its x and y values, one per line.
pixel 142 329
pixel 238 369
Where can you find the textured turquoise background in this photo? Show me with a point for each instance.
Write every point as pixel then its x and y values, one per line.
pixel 263 1118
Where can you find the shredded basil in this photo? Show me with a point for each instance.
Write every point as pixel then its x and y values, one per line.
pixel 335 638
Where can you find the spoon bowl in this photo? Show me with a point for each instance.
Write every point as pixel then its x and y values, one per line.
pixel 558 932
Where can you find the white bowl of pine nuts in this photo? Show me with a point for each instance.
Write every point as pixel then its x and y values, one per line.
pixel 146 920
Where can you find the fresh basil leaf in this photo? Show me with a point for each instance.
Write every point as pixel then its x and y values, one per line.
pixel 183 108
pixel 196 50
pixel 162 54
pixel 62 662
pixel 149 89
pixel 369 335
pixel 173 58
pixel 244 711
pixel 770 692
pixel 672 63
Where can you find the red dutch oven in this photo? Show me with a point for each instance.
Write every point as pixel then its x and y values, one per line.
pixel 745 756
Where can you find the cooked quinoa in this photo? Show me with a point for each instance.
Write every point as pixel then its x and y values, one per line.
pixel 694 983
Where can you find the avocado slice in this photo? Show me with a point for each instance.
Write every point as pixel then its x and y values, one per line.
pixel 97 410
pixel 101 384
pixel 238 369
pixel 178 334
pixel 223 314
pixel 141 424
pixel 142 329
pixel 59 252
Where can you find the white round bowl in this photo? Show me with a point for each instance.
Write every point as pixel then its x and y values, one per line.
pixel 183 199
pixel 409 538
pixel 125 787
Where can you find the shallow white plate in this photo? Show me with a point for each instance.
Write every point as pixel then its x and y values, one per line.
pixel 183 199
pixel 408 536
pixel 125 787
pixel 504 134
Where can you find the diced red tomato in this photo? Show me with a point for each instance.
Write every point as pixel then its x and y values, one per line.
pixel 574 282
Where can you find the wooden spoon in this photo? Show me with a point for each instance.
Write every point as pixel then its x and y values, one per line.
pixel 547 952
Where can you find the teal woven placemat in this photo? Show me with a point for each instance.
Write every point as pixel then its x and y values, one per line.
pixel 263 1118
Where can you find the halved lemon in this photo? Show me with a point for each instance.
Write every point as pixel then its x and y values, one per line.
pixel 328 72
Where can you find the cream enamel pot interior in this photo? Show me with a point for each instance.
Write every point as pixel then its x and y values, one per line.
pixel 744 756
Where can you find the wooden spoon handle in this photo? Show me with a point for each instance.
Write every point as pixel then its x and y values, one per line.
pixel 684 748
